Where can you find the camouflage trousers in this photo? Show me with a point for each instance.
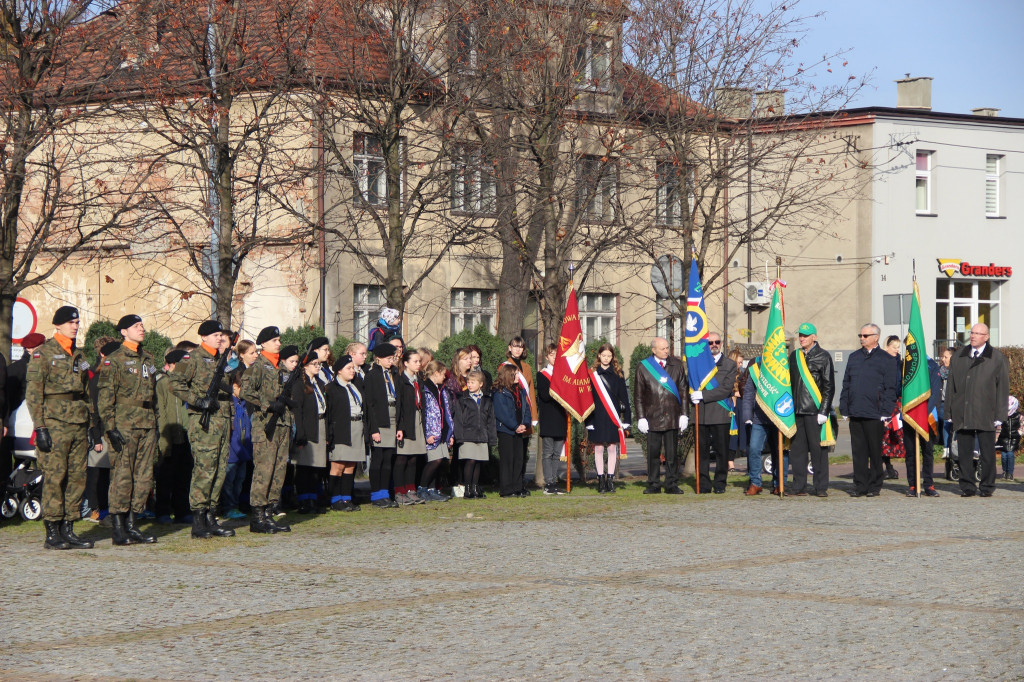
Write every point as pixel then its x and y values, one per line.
pixel 131 471
pixel 64 472
pixel 269 464
pixel 210 454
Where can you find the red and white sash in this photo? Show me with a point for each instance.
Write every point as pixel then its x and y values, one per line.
pixel 523 383
pixel 609 407
pixel 548 372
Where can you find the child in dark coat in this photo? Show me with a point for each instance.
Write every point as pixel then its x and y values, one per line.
pixel 475 432
pixel 512 418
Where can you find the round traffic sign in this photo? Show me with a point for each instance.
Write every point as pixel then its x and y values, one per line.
pixel 24 320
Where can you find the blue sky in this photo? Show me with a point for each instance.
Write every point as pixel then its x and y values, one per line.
pixel 974 49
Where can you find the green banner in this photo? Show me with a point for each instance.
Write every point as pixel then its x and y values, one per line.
pixel 774 390
pixel 917 387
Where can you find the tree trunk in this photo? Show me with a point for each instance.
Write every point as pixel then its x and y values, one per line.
pixel 224 286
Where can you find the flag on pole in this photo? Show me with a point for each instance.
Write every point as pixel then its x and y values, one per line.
pixel 771 375
pixel 570 379
pixel 700 366
pixel 916 385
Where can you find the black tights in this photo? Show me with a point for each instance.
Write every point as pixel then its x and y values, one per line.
pixel 404 471
pixel 380 468
pixel 471 472
pixel 430 473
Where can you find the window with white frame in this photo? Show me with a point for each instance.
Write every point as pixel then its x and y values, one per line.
pixel 472 307
pixel 962 303
pixel 669 323
pixel 924 182
pixel 993 166
pixel 369 299
pixel 465 47
pixel 674 182
pixel 368 164
pixel 597 188
pixel 474 189
pixel 598 316
pixel 593 63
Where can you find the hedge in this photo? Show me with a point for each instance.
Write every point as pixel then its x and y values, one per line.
pixel 154 342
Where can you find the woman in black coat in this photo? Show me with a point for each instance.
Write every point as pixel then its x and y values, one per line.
pixel 310 446
pixel 347 435
pixel 606 430
pixel 412 424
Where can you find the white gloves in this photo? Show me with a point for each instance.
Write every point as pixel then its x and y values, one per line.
pixel 696 397
pixel 822 419
pixel 625 427
pixel 683 421
pixel 535 423
pixel 998 424
pixel 642 426
pixel 590 427
pixel 750 421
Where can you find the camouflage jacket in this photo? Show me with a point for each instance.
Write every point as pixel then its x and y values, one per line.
pixel 56 385
pixel 191 379
pixel 261 385
pixel 171 416
pixel 127 390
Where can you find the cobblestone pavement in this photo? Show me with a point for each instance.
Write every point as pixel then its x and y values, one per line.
pixel 710 587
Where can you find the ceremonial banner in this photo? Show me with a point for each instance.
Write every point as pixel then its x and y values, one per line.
pixel 570 380
pixel 774 390
pixel 700 366
pixel 916 386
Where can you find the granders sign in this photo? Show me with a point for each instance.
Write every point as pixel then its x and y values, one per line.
pixel 955 266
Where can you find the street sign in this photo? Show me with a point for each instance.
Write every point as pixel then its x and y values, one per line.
pixel 666 273
pixel 24 320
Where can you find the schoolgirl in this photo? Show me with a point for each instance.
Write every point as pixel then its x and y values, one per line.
pixel 608 423
pixel 412 443
pixel 346 433
pixel 381 395
pixel 552 425
pixel 310 447
pixel 512 418
pixel 440 432
pixel 473 418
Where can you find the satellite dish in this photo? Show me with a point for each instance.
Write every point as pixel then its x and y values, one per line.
pixel 667 276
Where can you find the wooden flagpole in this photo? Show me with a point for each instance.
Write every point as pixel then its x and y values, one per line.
pixel 696 445
pixel 568 452
pixel 781 471
pixel 917 441
pixel 782 459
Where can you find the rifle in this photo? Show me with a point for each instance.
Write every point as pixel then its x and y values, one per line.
pixel 271 426
pixel 215 383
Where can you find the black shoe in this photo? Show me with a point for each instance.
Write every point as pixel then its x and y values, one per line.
pixel 199 529
pixel 119 530
pixel 382 503
pixel 984 494
pixel 931 492
pixel 857 493
pixel 911 492
pixel 722 491
pixel 600 483
pixel 674 490
pixel 478 493
pixel 525 492
pixel 652 490
pixel 802 493
pixel 509 495
pixel 890 473
pixel 277 526
pixel 873 493
pixel 54 537
pixel 258 522
pixel 215 528
pixel 823 493
pixel 609 483
pixel 135 534
pixel 67 530
pixel 550 490
pixel 306 507
pixel 966 493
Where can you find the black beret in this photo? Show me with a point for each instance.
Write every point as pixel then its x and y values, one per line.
pixel 127 321
pixel 318 342
pixel 65 313
pixel 341 362
pixel 210 327
pixel 310 356
pixel 110 348
pixel 266 334
pixel 173 357
pixel 287 352
pixel 384 350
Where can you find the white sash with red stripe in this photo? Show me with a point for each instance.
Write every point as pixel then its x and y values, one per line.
pixel 548 372
pixel 609 406
pixel 522 382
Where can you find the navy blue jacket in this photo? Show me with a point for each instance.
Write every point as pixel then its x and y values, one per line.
pixel 506 417
pixel 871 385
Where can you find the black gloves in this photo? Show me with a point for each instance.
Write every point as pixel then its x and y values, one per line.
pixel 205 404
pixel 278 408
pixel 43 440
pixel 117 441
pixel 94 435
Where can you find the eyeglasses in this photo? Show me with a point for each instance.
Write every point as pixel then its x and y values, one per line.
pixel 715 343
pixel 866 336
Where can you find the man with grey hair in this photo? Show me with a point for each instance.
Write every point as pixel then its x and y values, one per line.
pixel 662 414
pixel 977 400
pixel 871 386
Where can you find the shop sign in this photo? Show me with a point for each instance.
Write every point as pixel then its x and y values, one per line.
pixel 955 266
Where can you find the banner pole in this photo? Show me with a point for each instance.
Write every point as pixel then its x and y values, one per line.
pixel 696 446
pixel 917 440
pixel 568 453
pixel 781 470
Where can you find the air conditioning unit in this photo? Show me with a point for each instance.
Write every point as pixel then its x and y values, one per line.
pixel 755 295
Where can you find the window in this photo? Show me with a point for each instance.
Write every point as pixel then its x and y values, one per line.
pixel 593 61
pixel 993 163
pixel 598 316
pixel 924 182
pixel 673 182
pixel 369 299
pixel 596 193
pixel 961 303
pixel 466 41
pixel 470 307
pixel 368 165
pixel 670 324
pixel 473 186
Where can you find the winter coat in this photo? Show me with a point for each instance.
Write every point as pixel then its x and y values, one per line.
pixel 656 404
pixel 375 395
pixel 751 411
pixel 550 412
pixel 339 415
pixel 307 417
pixel 474 423
pixel 819 363
pixel 240 446
pixel 605 429
pixel 711 412
pixel 438 414
pixel 871 385
pixel 412 428
pixel 507 416
pixel 524 367
pixel 978 392
pixel 1009 434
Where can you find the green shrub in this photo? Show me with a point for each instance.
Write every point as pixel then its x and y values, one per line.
pixel 96 330
pixel 157 344
pixel 339 346
pixel 492 349
pixel 1015 358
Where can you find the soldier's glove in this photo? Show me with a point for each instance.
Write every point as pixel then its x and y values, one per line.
pixel 278 408
pixel 117 441
pixel 202 404
pixel 43 440
pixel 287 401
pixel 94 435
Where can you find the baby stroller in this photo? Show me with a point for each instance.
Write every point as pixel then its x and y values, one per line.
pixel 23 493
pixel 955 459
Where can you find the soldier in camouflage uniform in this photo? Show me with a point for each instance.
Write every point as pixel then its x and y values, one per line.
pixel 127 407
pixel 261 391
pixel 56 393
pixel 190 381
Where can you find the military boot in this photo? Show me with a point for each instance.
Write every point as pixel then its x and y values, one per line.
pixel 135 534
pixel 54 538
pixel 199 529
pixel 258 521
pixel 215 528
pixel 277 526
pixel 67 529
pixel 119 530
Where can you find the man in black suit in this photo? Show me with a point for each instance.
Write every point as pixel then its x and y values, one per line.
pixel 713 419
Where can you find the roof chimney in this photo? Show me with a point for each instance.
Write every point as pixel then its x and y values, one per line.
pixel 914 93
pixel 770 103
pixel 734 102
pixel 985 111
